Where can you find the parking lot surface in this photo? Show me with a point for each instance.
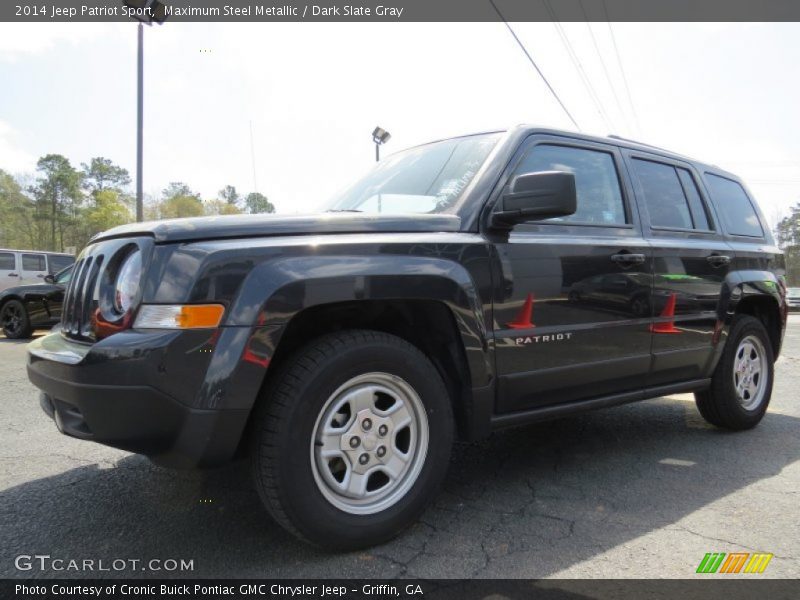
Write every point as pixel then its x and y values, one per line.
pixel 643 490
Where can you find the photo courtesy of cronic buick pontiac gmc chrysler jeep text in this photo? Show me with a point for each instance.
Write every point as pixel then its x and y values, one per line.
pixel 460 287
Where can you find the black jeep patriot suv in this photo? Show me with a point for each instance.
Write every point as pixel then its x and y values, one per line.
pixel 461 286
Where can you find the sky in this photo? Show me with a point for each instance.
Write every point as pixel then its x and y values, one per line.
pixel 311 93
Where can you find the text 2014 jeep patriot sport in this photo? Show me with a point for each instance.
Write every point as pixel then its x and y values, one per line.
pixel 461 286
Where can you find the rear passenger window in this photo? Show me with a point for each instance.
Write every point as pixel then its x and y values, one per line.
pixel 7 261
pixel 671 196
pixel 735 207
pixel 596 181
pixel 33 262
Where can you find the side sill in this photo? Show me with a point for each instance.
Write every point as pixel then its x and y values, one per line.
pixel 570 408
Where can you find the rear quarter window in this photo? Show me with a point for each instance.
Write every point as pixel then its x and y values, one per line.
pixel 734 207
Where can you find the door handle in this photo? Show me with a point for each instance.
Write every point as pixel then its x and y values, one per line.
pixel 718 260
pixel 626 258
pixel 13 275
pixel 40 275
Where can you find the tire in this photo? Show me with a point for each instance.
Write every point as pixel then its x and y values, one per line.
pixel 15 321
pixel 725 406
pixel 309 479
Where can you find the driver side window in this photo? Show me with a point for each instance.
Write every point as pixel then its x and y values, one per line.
pixel 596 181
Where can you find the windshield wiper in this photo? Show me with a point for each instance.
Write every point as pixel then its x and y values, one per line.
pixel 340 210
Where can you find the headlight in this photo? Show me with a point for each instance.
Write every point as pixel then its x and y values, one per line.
pixel 126 285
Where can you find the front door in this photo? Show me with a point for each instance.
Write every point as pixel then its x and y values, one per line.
pixel 691 261
pixel 571 311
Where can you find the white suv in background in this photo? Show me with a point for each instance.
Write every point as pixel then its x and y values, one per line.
pixel 23 267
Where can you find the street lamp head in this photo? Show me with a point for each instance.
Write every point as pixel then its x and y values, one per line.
pixel 380 136
pixel 146 11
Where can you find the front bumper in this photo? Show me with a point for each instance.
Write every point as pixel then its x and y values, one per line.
pixel 91 392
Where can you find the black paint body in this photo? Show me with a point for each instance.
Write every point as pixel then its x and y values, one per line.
pixel 523 325
pixel 42 301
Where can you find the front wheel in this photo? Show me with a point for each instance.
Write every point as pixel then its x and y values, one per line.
pixel 741 386
pixel 352 439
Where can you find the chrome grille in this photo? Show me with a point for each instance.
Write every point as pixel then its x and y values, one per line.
pixel 80 300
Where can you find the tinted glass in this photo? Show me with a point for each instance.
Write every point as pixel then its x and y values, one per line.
pixel 699 215
pixel 596 181
pixel 33 262
pixel 426 179
pixel 663 195
pixel 7 261
pixel 63 276
pixel 735 207
pixel 59 262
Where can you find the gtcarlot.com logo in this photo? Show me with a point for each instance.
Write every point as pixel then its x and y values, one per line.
pixel 735 562
pixel 45 562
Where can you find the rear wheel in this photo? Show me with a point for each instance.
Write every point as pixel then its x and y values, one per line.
pixel 15 321
pixel 742 383
pixel 352 440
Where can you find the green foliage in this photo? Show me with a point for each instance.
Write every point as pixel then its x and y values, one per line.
pixel 58 198
pixel 17 226
pixel 787 234
pixel 101 173
pixel 229 195
pixel 220 207
pixel 788 230
pixel 65 207
pixel 258 203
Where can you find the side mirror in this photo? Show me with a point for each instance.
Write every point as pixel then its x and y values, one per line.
pixel 535 196
pixel 49 279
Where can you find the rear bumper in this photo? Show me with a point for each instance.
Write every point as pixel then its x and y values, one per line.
pixel 137 418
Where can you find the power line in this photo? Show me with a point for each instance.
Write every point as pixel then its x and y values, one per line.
pixel 578 66
pixel 535 66
pixel 605 68
pixel 622 70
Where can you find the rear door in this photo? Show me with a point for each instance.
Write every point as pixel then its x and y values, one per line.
pixel 34 268
pixel 9 271
pixel 691 260
pixel 569 319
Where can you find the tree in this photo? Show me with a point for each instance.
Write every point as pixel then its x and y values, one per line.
pixel 101 173
pixel 17 226
pixel 787 231
pixel 787 234
pixel 58 195
pixel 179 201
pixel 258 203
pixel 229 195
pixel 220 207
pixel 108 211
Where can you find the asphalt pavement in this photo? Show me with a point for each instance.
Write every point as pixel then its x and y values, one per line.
pixel 643 490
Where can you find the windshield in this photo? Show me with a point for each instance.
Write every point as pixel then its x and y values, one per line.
pixel 426 179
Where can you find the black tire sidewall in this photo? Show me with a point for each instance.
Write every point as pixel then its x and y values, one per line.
pixel 25 328
pixel 313 515
pixel 744 327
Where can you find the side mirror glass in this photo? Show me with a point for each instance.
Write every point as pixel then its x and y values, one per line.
pixel 49 279
pixel 536 196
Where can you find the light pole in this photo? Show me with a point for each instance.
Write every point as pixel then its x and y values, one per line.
pixel 146 12
pixel 379 136
pixel 140 125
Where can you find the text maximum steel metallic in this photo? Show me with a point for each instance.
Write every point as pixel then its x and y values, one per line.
pixel 459 287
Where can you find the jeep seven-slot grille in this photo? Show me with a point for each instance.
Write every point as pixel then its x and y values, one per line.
pixel 80 299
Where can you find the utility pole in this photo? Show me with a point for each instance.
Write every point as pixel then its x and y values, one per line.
pixel 140 126
pixel 146 12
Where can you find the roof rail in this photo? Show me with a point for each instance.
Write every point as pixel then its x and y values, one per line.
pixel 624 139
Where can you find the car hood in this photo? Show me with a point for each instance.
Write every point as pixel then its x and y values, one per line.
pixel 241 226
